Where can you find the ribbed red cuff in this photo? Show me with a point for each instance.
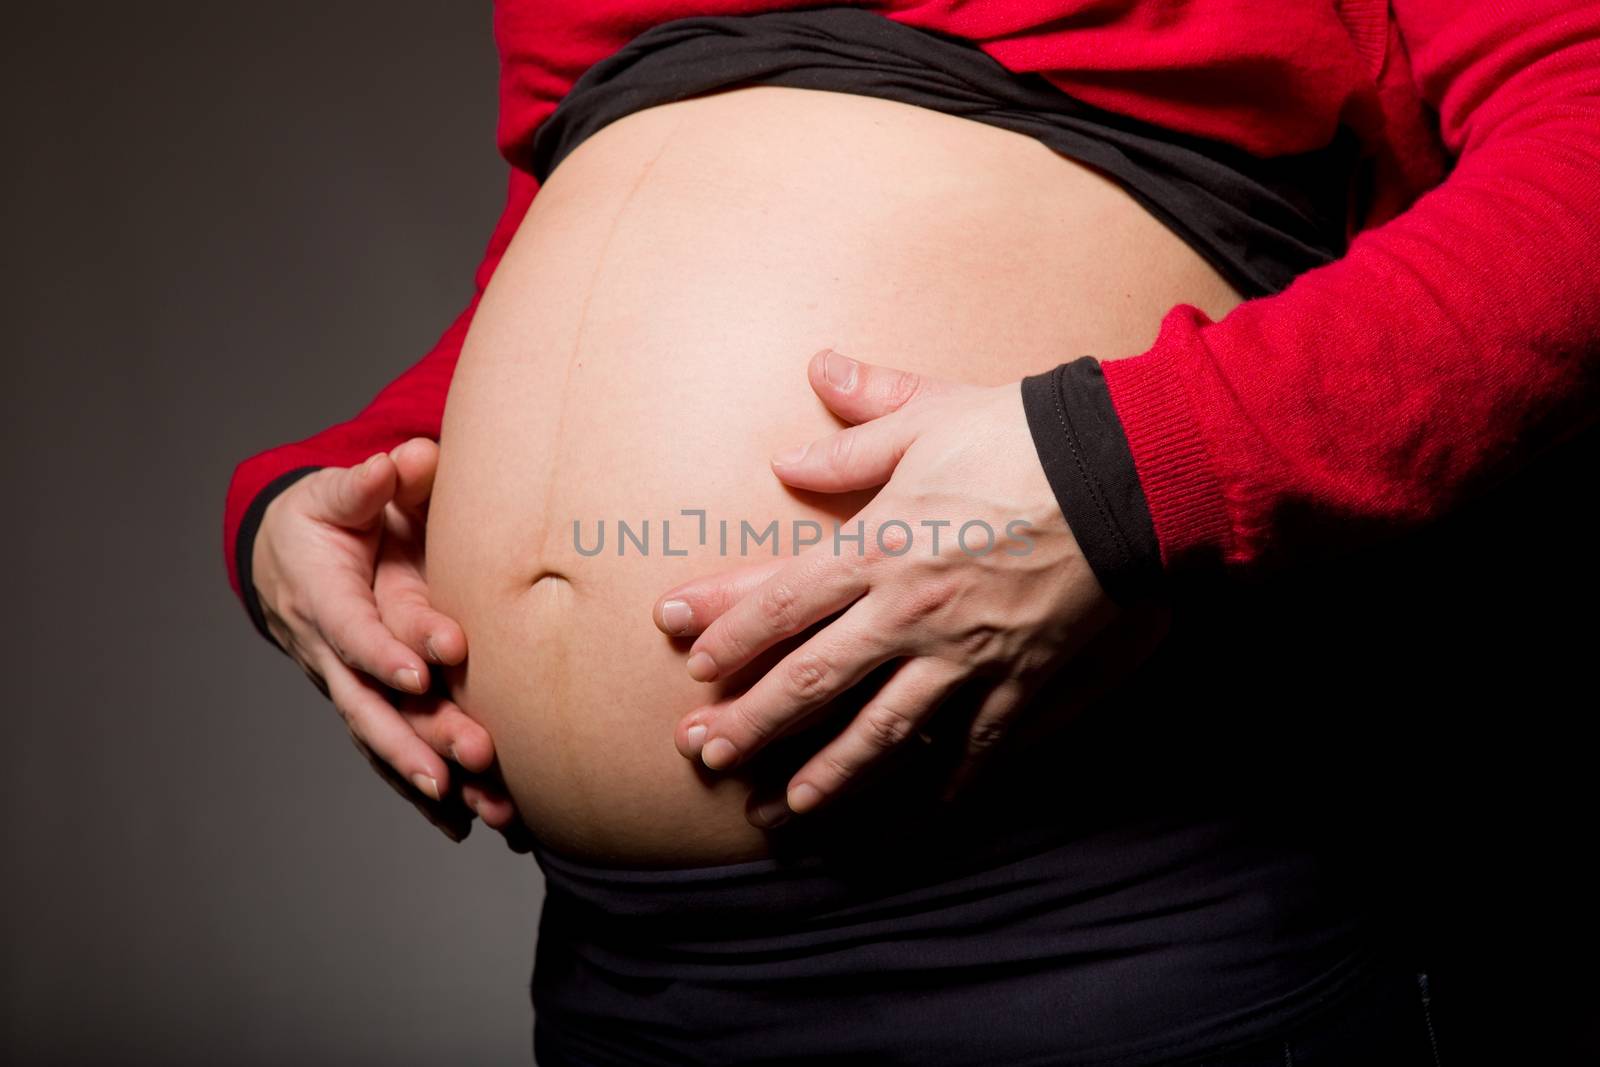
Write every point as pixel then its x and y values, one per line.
pixel 1175 468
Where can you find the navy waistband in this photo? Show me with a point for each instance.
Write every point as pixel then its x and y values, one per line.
pixel 1259 221
pixel 1089 951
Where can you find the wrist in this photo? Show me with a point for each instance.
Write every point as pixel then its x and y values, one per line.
pixel 1086 458
pixel 253 551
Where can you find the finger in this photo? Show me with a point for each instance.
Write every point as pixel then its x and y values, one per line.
pixel 416 462
pixel 401 595
pixel 689 608
pixel 452 817
pixel 487 796
pixel 831 662
pixel 858 392
pixel 988 728
pixel 518 837
pixel 857 457
pixel 801 592
pixel 449 731
pixel 377 724
pixel 351 625
pixel 491 805
pixel 353 497
pixel 893 716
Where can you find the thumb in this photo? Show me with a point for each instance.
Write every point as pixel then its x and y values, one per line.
pixel 859 392
pixel 416 461
pixel 353 497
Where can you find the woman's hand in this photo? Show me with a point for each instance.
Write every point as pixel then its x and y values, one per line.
pixel 337 565
pixel 998 604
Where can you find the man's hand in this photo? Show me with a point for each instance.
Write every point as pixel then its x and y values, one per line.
pixel 337 565
pixel 967 574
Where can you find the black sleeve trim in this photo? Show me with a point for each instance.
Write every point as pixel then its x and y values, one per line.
pixel 1086 457
pixel 244 545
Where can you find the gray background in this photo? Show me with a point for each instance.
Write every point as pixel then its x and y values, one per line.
pixel 226 226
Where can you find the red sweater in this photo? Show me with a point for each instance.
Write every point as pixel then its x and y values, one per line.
pixel 1457 339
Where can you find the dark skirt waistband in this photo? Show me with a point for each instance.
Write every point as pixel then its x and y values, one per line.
pixel 1089 952
pixel 1259 221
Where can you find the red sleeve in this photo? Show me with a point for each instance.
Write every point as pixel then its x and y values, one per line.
pixel 410 406
pixel 1449 347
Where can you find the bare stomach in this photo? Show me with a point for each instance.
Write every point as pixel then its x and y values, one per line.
pixel 640 353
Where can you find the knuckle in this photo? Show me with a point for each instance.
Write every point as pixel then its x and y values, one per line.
pixel 980 644
pixel 841 446
pixel 985 735
pixel 289 607
pixel 747 723
pixel 434 733
pixel 391 597
pixel 886 727
pixel 1035 662
pixel 351 719
pixel 891 538
pixel 338 648
pixel 807 675
pixel 779 604
pixel 925 599
pixel 840 770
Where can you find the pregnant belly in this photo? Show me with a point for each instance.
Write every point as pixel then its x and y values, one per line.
pixel 639 355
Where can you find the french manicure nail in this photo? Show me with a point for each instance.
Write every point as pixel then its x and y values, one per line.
pixel 840 372
pixel 772 813
pixel 804 797
pixel 427 784
pixel 718 753
pixel 677 615
pixel 790 456
pixel 702 668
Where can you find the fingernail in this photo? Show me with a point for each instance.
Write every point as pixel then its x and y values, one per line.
pixel 772 813
pixel 702 668
pixel 790 456
pixel 454 754
pixel 677 616
pixel 803 797
pixel 433 650
pixel 366 468
pixel 696 735
pixel 840 372
pixel 426 784
pixel 718 753
pixel 409 679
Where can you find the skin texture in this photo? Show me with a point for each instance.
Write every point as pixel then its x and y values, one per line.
pixel 644 348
